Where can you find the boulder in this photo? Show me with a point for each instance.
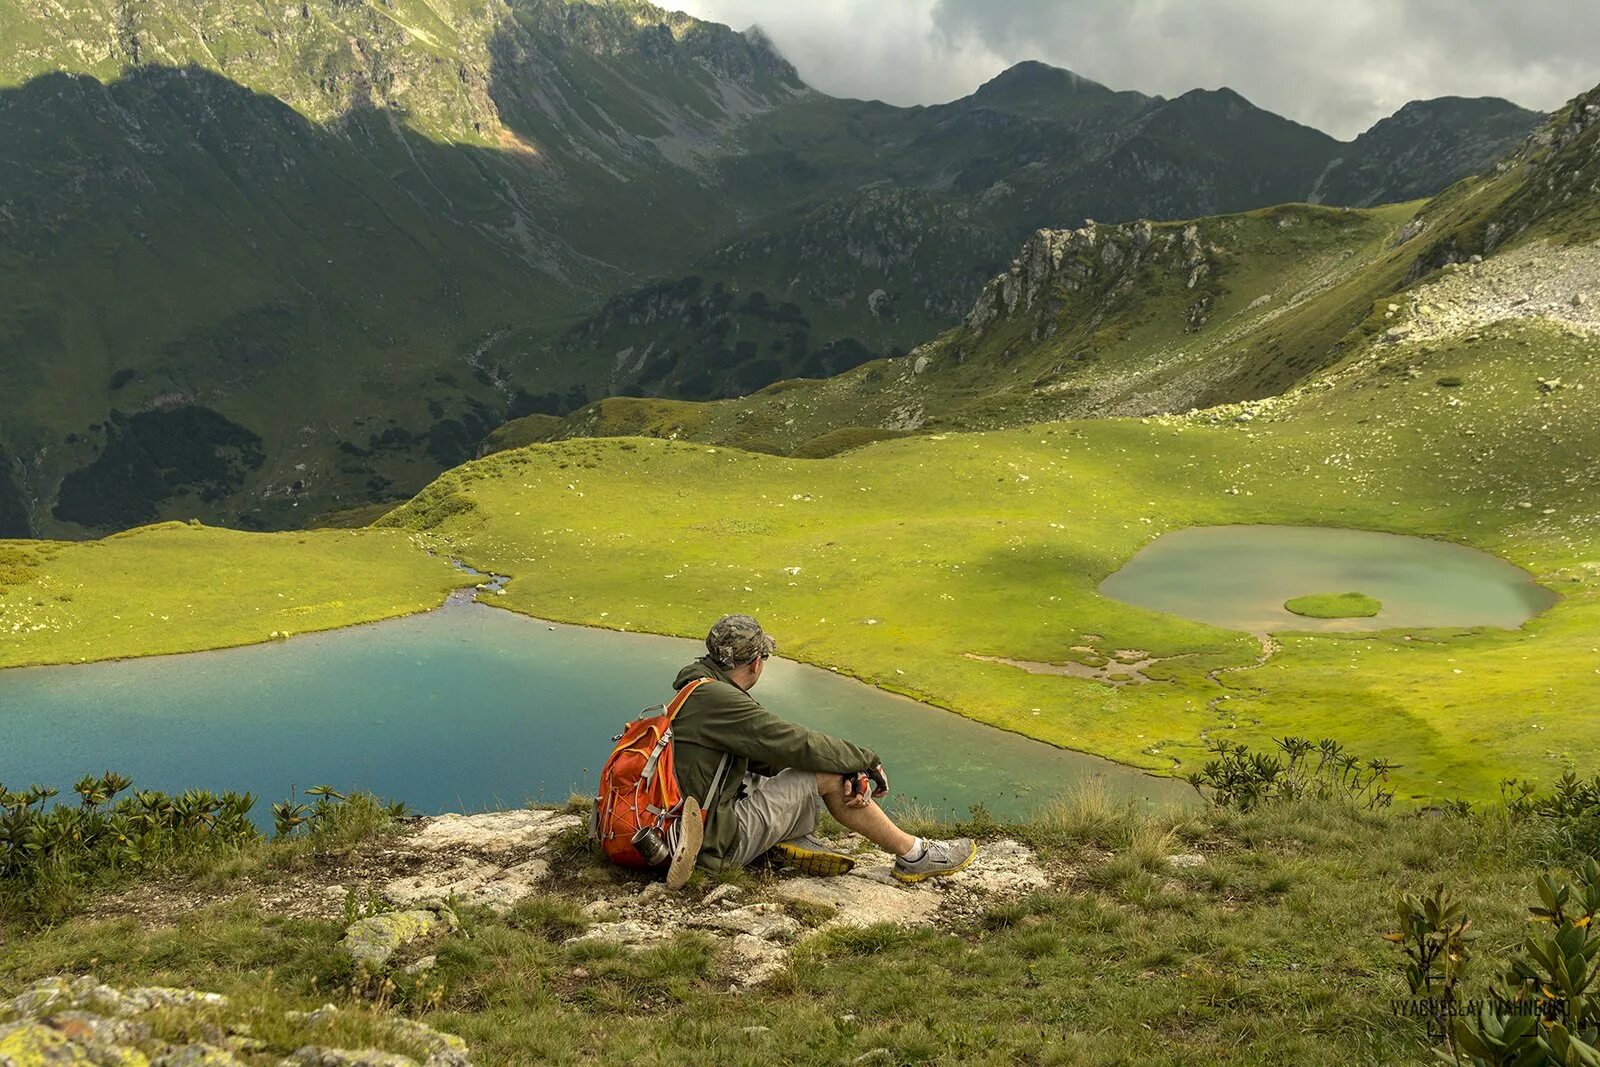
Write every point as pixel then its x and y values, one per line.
pixel 28 1043
pixel 371 941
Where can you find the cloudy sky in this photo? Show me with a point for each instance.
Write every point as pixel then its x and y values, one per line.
pixel 1340 74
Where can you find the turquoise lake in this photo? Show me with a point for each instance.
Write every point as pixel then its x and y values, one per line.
pixel 469 708
pixel 1238 577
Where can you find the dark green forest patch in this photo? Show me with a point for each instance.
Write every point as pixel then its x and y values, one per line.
pixel 154 456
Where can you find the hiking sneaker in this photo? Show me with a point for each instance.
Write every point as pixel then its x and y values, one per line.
pixel 939 858
pixel 809 856
pixel 691 832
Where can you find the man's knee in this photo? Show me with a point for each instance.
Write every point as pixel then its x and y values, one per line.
pixel 830 785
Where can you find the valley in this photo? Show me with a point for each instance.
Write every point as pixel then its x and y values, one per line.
pixel 894 562
pixel 1198 516
pixel 270 265
pixel 981 523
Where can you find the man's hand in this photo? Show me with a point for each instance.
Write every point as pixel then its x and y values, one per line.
pixel 880 778
pixel 857 789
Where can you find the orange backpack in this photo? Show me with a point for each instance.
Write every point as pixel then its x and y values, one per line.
pixel 639 787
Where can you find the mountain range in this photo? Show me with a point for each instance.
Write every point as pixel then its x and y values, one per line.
pixel 266 263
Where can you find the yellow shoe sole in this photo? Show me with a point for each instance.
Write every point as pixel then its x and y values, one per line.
pixel 909 878
pixel 691 833
pixel 813 862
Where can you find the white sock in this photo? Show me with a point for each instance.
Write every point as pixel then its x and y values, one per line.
pixel 918 848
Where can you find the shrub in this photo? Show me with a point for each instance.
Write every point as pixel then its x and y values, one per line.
pixel 1545 1010
pixel 1435 934
pixel 1558 826
pixel 1324 771
pixel 50 853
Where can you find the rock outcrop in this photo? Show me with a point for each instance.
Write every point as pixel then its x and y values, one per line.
pixel 497 859
pixel 79 1020
pixel 1103 261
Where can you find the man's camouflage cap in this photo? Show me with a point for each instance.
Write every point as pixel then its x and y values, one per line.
pixel 736 640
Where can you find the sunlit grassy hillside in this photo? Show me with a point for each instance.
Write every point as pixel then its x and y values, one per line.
pixel 180 588
pixel 897 561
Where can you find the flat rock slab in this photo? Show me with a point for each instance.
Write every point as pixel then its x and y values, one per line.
pixel 755 939
pixel 470 881
pixel 494 831
pixel 864 898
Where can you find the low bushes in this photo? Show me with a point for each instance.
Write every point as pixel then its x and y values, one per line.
pixel 51 853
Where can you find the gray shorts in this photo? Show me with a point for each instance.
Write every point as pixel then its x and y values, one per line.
pixel 769 810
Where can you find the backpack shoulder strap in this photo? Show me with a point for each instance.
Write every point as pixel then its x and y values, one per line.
pixel 722 766
pixel 716 782
pixel 683 695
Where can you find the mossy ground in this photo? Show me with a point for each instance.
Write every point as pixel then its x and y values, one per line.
pixel 1334 606
pixel 1269 952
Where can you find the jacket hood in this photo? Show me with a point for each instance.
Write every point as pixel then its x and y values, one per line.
pixel 700 668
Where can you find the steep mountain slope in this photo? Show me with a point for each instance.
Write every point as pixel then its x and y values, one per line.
pixel 1152 318
pixel 1422 148
pixel 878 271
pixel 266 262
pixel 348 281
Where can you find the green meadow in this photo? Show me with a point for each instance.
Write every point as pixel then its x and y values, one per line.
pixel 1334 606
pixel 896 561
pixel 900 561
pixel 181 588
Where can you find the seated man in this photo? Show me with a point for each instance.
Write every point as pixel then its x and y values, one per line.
pixel 779 774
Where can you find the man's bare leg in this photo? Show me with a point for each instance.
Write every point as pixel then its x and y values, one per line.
pixel 863 816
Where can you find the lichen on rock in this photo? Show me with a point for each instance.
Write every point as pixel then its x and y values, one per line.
pixel 371 941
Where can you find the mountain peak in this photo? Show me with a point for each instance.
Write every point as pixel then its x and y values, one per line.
pixel 760 39
pixel 1456 108
pixel 1035 77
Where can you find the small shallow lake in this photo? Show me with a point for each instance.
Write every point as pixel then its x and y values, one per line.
pixel 471 707
pixel 1239 577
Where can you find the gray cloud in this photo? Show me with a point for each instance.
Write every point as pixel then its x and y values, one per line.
pixel 1337 68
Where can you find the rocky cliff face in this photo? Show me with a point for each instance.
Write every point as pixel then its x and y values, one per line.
pixel 1421 149
pixel 1549 187
pixel 14 521
pixel 1103 262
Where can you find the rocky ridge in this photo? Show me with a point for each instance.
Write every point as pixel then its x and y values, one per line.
pixel 497 859
pixel 1550 186
pixel 79 1020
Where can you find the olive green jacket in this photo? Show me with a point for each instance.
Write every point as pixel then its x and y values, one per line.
pixel 719 718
